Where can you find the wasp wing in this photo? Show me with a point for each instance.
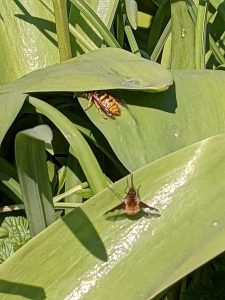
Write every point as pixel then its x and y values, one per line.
pixel 144 205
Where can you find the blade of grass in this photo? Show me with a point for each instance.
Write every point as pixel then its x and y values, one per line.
pixel 132 41
pixel 216 51
pixel 214 47
pixel 200 34
pixel 156 26
pixel 96 22
pixel 166 55
pixel 131 9
pixel 33 176
pixel 10 187
pixel 120 25
pixel 9 181
pixel 80 147
pixel 183 37
pixel 73 31
pixel 79 189
pixel 61 21
pixel 161 42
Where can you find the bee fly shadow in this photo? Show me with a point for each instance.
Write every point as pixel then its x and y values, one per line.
pixel 122 216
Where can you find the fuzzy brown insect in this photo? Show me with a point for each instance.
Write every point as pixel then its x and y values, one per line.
pixel 104 102
pixel 131 203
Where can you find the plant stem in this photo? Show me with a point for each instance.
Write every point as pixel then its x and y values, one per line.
pixel 62 29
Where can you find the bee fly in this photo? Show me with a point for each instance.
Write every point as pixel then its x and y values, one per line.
pixel 131 203
pixel 104 102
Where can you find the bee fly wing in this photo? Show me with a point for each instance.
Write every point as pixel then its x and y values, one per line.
pixel 144 205
pixel 120 206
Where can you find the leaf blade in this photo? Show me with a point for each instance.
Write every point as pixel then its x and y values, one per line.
pixel 178 185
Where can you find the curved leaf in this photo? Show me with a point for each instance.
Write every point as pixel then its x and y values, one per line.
pixel 106 68
pixel 154 125
pixel 33 176
pixel 148 252
pixel 10 105
pixel 80 148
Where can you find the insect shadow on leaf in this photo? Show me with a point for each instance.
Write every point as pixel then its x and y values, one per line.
pixel 132 205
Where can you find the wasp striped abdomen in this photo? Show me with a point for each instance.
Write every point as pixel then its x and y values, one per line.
pixel 104 102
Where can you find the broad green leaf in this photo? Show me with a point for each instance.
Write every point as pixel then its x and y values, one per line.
pixel 106 68
pixel 154 125
pixel 33 176
pixel 27 37
pixel 150 252
pixel 10 105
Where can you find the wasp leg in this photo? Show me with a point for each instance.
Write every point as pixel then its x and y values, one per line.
pixel 90 103
pixel 100 110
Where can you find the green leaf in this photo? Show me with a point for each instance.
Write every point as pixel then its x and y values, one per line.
pixel 9 181
pixel 96 22
pixel 150 252
pixel 79 146
pixel 131 9
pixel 10 187
pixel 131 40
pixel 3 232
pixel 6 250
pixel 183 36
pixel 106 68
pixel 10 105
pixel 33 176
pixel 200 34
pixel 154 125
pixel 87 37
pixel 157 25
pixel 18 230
pixel 27 37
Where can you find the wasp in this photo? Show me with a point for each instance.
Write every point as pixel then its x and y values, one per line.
pixel 132 204
pixel 104 102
